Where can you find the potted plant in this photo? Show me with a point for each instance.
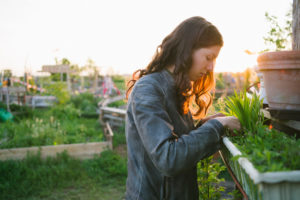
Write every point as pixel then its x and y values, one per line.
pixel 266 162
pixel 281 69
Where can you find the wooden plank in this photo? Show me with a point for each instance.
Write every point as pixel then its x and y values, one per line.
pixel 296 25
pixel 290 123
pixel 81 151
pixel 111 100
pixel 115 123
pixel 110 117
pixel 57 69
pixel 14 89
pixel 109 129
pixel 113 110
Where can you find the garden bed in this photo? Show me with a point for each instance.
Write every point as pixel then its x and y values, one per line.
pixel 257 185
pixel 81 151
pixel 72 126
pixel 265 161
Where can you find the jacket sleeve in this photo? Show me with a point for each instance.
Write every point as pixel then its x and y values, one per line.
pixel 155 129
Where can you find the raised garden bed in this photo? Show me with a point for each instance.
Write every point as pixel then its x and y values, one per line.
pixel 81 151
pixel 264 161
pixel 53 130
pixel 280 185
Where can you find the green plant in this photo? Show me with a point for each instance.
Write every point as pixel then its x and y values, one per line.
pixel 247 110
pixel 108 165
pixel 59 125
pixel 208 179
pixel 220 84
pixel 59 90
pixel 86 102
pixel 119 136
pixel 267 148
pixel 119 82
pixel 117 103
pixel 67 111
pixel 279 37
pixel 63 177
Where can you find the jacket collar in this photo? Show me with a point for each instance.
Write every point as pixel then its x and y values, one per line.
pixel 168 76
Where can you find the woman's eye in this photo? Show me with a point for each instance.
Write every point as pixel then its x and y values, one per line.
pixel 208 58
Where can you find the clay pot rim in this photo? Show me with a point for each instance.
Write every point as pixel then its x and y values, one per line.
pixel 278 56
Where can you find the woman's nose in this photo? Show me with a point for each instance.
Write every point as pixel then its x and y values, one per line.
pixel 210 66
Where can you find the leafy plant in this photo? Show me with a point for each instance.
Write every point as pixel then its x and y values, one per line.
pixel 247 110
pixel 267 148
pixel 59 125
pixel 86 102
pixel 117 103
pixel 119 136
pixel 119 82
pixel 59 90
pixel 37 178
pixel 208 179
pixel 279 37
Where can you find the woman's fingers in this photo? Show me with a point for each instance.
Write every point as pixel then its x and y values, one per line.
pixel 230 122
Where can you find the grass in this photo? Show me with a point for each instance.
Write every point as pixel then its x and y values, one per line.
pixel 117 104
pixel 63 177
pixel 50 127
pixel 61 124
pixel 247 110
pixel 119 82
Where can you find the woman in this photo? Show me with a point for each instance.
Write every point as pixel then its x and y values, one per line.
pixel 164 99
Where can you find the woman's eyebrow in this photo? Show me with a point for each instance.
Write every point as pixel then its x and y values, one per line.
pixel 212 54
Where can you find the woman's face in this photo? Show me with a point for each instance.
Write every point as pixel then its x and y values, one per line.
pixel 204 60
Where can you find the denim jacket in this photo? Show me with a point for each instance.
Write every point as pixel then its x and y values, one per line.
pixel 160 164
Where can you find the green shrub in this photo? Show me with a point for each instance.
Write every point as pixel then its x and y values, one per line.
pixel 208 179
pixel 59 90
pixel 86 102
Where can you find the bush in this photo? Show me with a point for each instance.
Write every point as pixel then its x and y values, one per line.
pixel 59 90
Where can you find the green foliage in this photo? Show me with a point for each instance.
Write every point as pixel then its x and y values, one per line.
pixel 208 179
pixel 119 81
pixel 279 37
pixel 108 165
pixel 63 112
pixel 267 148
pixel 117 103
pixel 220 84
pixel 247 110
pixel 59 90
pixel 119 136
pixel 59 125
pixel 36 178
pixel 85 102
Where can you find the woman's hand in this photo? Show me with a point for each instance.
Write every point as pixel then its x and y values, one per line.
pixel 230 122
pixel 202 121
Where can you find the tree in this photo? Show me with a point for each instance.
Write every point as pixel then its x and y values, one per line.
pixel 93 72
pixel 279 37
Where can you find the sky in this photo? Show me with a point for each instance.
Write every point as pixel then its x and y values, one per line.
pixel 121 36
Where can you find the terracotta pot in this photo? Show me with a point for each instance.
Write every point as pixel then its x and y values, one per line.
pixel 281 74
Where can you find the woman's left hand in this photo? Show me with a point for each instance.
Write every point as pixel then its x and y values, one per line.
pixel 202 121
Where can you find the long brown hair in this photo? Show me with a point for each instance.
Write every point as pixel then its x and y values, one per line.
pixel 177 49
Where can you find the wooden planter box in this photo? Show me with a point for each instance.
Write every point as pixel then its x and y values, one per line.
pixel 266 186
pixel 81 151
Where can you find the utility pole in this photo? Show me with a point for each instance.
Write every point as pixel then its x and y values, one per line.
pixel 296 25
